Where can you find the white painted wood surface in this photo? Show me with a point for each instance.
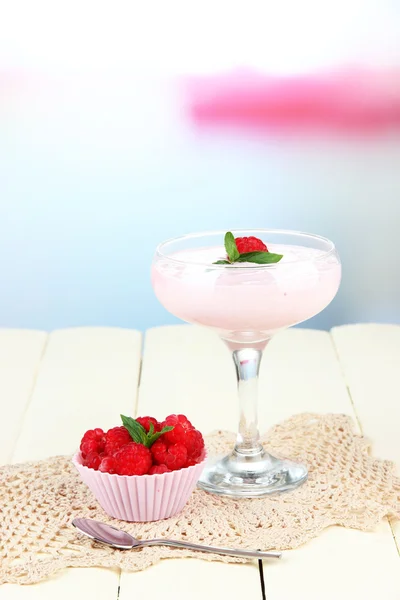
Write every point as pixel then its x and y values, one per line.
pixel 20 355
pixel 370 360
pixel 54 387
pixel 84 378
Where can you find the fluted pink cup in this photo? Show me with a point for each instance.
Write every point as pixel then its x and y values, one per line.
pixel 141 497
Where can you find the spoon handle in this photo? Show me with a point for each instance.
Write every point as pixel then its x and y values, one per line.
pixel 201 548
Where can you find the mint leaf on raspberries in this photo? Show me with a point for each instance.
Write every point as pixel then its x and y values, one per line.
pixel 136 430
pixel 139 434
pixel 153 438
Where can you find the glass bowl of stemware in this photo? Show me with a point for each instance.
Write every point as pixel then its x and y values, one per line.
pixel 246 304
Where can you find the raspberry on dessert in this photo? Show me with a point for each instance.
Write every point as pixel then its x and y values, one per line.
pixel 174 457
pixel 159 470
pixel 133 459
pixel 116 438
pixel 180 424
pixel 159 451
pixel 92 460
pixel 108 465
pixel 250 244
pixel 183 433
pixel 92 441
pixel 194 443
pixel 145 422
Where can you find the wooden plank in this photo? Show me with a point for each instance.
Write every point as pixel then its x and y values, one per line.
pixel 20 355
pixel 86 374
pixel 300 373
pixel 340 563
pixel 369 355
pixel 191 579
pixel 87 377
pixel 188 369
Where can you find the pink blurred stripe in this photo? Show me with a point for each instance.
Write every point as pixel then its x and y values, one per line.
pixel 348 100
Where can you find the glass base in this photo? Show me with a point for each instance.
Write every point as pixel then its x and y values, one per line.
pixel 251 475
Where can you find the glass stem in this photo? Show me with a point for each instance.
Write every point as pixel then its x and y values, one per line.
pixel 247 362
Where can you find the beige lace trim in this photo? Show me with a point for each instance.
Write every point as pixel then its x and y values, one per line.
pixel 346 487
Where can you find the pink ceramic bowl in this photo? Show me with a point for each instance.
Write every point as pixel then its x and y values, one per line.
pixel 141 497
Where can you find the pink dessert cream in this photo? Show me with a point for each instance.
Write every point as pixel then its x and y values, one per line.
pixel 246 302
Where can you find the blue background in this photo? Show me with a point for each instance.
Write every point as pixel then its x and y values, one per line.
pixel 90 186
pixel 99 161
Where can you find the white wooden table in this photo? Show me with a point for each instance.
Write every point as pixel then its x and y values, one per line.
pixel 54 387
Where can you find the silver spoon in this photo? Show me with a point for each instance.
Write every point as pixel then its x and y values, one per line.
pixel 106 534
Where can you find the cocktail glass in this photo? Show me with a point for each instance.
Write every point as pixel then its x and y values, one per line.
pixel 246 304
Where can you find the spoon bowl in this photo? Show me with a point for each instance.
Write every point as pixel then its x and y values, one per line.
pixel 106 534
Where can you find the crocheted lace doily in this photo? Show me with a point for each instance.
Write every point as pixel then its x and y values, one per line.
pixel 346 487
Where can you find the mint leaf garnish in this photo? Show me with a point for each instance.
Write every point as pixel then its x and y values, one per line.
pixel 135 429
pixel 139 434
pixel 230 247
pixel 154 437
pixel 261 258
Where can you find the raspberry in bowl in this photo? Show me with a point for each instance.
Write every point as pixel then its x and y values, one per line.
pixel 144 470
